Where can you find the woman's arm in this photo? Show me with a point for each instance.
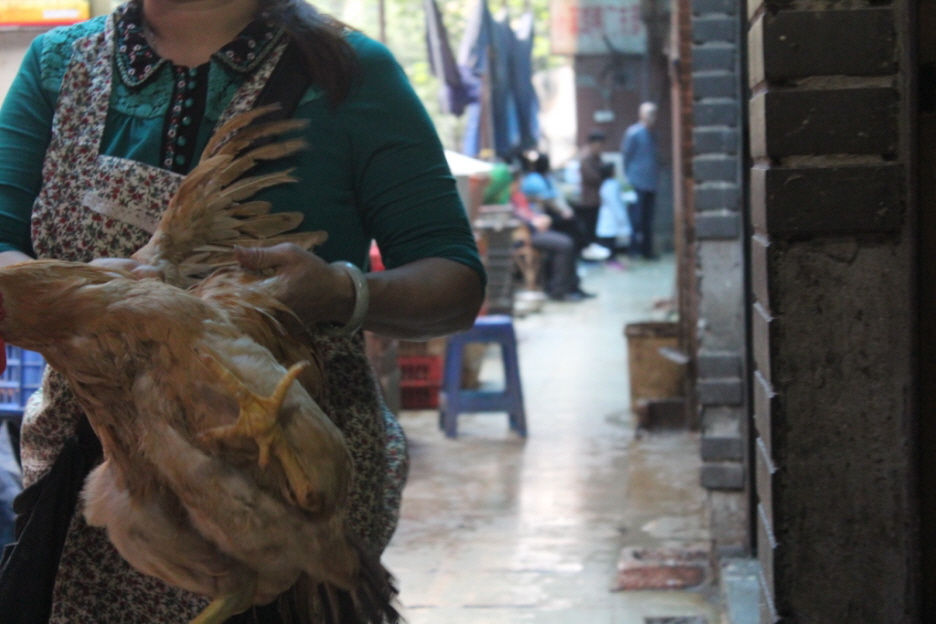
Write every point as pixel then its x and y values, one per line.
pixel 424 299
pixel 417 301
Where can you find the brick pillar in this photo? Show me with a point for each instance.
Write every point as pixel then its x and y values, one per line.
pixel 718 263
pixel 926 315
pixel 832 271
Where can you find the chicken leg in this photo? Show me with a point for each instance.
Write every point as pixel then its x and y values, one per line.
pixel 259 420
pixel 223 607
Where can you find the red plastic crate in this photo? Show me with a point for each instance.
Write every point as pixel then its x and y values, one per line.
pixel 420 370
pixel 419 397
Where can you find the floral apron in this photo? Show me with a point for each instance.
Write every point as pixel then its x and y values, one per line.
pixel 92 205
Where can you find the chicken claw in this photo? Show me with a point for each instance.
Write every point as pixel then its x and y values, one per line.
pixel 259 420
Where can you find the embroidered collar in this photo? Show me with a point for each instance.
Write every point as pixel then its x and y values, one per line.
pixel 138 62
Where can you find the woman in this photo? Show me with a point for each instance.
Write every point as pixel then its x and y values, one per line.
pixel 540 187
pixel 101 123
pixel 554 230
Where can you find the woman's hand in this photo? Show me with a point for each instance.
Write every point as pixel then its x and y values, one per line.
pixel 316 291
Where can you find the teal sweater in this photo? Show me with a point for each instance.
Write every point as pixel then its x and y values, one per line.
pixel 374 169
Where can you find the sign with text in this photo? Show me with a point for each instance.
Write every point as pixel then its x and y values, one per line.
pixel 43 12
pixel 589 26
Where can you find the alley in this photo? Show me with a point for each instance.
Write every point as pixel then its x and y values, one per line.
pixel 497 529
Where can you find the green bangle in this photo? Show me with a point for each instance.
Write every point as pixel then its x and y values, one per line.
pixel 361 301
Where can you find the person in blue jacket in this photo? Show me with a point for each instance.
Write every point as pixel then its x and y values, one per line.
pixel 641 166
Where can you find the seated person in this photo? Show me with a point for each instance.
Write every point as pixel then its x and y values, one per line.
pixel 558 249
pixel 541 191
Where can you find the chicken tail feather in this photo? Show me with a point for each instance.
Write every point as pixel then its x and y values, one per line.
pixel 373 601
pixel 370 601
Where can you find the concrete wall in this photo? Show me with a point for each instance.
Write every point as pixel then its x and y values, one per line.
pixel 832 260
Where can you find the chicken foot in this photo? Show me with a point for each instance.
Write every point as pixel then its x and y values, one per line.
pixel 227 605
pixel 259 420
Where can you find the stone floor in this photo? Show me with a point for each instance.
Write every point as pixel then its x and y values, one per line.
pixel 496 529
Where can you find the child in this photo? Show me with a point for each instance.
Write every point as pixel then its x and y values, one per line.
pixel 613 225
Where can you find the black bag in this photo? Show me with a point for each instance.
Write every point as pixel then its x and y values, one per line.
pixel 43 513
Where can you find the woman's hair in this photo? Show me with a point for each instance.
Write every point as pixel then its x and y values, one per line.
pixel 330 61
pixel 542 164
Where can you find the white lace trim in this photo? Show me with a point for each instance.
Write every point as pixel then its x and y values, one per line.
pixel 134 215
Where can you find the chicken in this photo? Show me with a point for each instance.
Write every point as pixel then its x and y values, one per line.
pixel 221 474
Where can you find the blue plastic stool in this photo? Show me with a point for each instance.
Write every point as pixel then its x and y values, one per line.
pixel 456 400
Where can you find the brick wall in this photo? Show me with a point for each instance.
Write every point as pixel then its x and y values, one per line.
pixel 718 176
pixel 832 261
pixel 926 314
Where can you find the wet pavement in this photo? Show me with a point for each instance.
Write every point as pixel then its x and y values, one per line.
pixel 499 529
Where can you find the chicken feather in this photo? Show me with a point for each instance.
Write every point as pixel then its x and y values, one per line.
pixel 213 191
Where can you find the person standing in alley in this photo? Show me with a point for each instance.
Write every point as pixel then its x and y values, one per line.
pixel 641 166
pixel 586 209
pixel 613 223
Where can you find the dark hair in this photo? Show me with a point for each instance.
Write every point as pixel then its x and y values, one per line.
pixel 542 163
pixel 596 135
pixel 607 170
pixel 331 63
